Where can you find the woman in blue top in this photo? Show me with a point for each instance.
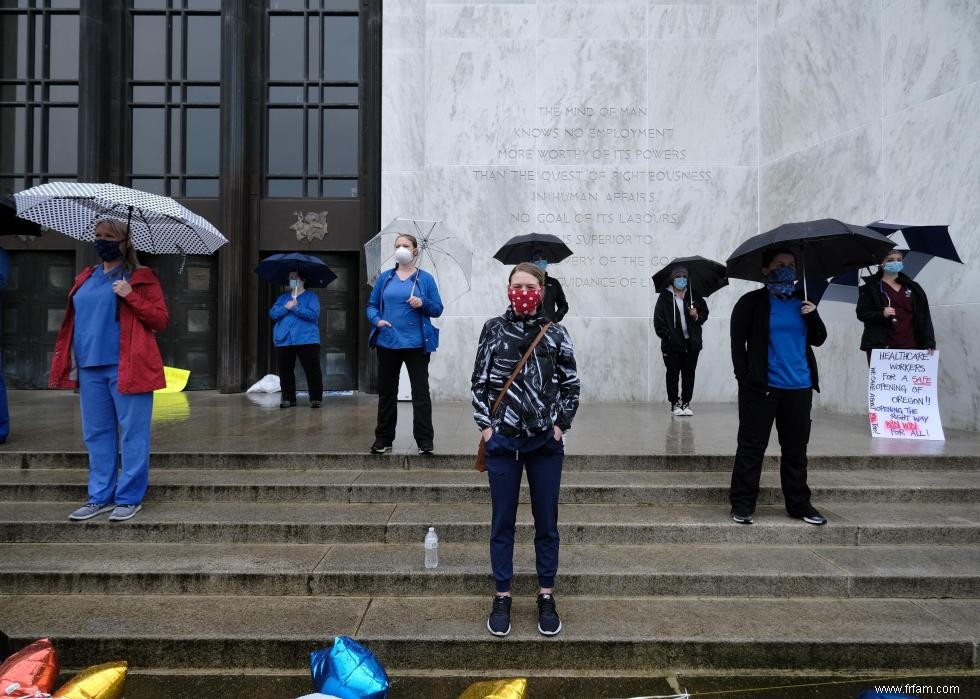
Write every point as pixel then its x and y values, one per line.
pixel 297 334
pixel 402 302
pixel 773 332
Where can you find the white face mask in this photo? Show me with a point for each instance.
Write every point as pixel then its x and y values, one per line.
pixel 403 255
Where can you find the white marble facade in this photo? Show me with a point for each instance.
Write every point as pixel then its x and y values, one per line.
pixel 714 119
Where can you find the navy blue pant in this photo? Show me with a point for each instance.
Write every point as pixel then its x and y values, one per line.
pixel 542 456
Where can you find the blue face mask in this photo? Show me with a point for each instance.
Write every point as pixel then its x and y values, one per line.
pixel 108 250
pixel 294 283
pixel 680 283
pixel 542 264
pixel 781 281
pixel 893 267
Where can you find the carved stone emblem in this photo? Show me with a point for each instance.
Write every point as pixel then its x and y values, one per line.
pixel 310 226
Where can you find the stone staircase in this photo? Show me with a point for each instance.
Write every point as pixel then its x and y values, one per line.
pixel 240 564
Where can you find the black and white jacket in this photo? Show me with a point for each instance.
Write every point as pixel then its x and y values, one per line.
pixel 544 394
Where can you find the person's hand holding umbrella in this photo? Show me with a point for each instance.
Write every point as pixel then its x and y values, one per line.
pixel 121 288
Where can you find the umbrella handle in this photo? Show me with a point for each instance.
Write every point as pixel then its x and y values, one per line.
pixel 806 294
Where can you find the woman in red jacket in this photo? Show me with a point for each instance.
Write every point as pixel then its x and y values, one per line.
pixel 107 348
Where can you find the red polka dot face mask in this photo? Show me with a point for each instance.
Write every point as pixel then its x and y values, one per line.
pixel 524 300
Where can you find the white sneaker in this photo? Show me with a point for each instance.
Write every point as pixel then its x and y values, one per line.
pixel 677 409
pixel 687 410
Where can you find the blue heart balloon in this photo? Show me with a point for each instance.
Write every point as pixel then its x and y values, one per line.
pixel 349 671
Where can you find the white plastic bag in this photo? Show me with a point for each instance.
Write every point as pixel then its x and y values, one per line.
pixel 267 384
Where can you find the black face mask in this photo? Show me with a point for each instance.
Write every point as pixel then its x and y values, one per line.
pixel 108 250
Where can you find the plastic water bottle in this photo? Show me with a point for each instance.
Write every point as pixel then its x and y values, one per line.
pixel 431 549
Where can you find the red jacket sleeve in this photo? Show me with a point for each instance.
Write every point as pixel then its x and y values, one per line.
pixel 147 302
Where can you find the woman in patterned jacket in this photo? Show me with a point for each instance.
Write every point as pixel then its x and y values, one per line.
pixel 525 432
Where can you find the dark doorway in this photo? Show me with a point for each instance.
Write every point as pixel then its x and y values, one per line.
pixel 190 341
pixel 33 306
pixel 338 324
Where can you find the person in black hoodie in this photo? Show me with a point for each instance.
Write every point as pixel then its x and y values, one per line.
pixel 677 321
pixel 894 310
pixel 773 330
pixel 554 303
pixel 525 432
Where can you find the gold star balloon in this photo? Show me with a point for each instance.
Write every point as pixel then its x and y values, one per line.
pixel 105 681
pixel 496 689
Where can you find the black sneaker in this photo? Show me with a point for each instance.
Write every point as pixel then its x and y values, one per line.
pixel 287 404
pixel 425 451
pixel 498 623
pixel 314 404
pixel 380 448
pixel 741 518
pixel 548 622
pixel 812 517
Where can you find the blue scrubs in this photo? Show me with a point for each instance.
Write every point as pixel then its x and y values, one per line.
pixel 788 367
pixel 406 322
pixel 106 411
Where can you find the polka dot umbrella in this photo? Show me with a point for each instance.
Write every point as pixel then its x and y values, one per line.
pixel 157 224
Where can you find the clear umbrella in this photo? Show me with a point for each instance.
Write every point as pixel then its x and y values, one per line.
pixel 441 253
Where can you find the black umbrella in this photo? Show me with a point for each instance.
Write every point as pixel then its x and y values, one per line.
pixel 933 241
pixel 824 248
pixel 704 276
pixel 924 243
pixel 276 269
pixel 521 248
pixel 10 223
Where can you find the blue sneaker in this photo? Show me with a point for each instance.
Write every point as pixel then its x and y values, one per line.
pixel 124 512
pixel 498 623
pixel 89 511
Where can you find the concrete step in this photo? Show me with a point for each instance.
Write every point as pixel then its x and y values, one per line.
pixel 306 523
pixel 915 457
pixel 441 486
pixel 397 570
pixel 436 683
pixel 632 634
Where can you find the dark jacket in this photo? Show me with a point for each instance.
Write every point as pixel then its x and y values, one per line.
pixel 870 311
pixel 543 395
pixel 750 340
pixel 555 304
pixel 667 322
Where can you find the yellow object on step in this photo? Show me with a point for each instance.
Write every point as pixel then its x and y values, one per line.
pixel 176 379
pixel 496 689
pixel 99 682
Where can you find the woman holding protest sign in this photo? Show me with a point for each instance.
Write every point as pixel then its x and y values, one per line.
pixel 894 309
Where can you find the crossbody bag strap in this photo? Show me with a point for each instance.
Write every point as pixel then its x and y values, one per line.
pixel 520 365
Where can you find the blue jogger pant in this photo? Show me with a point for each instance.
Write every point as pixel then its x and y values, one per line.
pixel 108 414
pixel 542 456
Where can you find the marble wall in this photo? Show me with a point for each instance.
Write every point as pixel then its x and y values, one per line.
pixel 629 128
pixel 640 131
pixel 885 129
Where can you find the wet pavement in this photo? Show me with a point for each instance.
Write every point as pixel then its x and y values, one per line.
pixel 206 421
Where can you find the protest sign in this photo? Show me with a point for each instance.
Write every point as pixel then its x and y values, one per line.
pixel 902 400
